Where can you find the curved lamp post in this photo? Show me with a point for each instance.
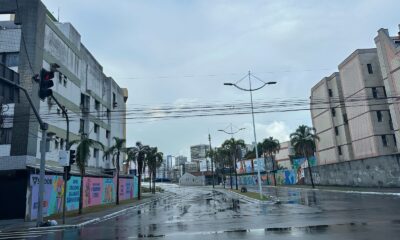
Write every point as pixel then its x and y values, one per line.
pixel 251 90
pixel 231 133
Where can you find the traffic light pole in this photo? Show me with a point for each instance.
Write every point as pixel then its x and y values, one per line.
pixel 43 127
pixel 212 160
pixel 67 148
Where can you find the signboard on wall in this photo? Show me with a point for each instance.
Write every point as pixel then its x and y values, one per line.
pixel 203 165
pixel 262 164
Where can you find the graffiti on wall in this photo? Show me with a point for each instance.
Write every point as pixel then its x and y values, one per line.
pixel 283 177
pixel 95 191
pixel 126 189
pixel 73 191
pixel 53 194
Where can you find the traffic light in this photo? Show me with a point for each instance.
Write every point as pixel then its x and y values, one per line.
pixel 72 157
pixel 67 171
pixel 46 83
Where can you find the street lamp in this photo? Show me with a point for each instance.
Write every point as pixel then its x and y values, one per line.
pixel 251 90
pixel 231 133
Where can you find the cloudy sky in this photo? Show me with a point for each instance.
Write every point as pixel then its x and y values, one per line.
pixel 178 52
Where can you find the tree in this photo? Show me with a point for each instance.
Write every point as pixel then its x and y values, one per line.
pixel 82 156
pixel 303 141
pixel 221 159
pixel 138 154
pixel 234 148
pixel 271 146
pixel 154 161
pixel 115 151
pixel 252 153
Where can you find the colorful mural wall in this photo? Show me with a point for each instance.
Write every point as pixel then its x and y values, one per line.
pixel 95 191
pixel 283 177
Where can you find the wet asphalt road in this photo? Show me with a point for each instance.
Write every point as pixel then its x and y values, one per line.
pixel 200 213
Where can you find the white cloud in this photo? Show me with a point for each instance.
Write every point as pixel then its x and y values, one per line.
pixel 275 129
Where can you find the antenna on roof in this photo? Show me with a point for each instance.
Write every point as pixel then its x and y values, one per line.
pixel 58 15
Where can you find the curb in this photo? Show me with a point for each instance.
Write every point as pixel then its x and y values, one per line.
pixel 248 199
pixel 95 220
pixel 120 212
pixel 340 191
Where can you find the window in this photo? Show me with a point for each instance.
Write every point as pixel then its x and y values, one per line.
pixel 56 144
pixel 374 92
pixel 384 91
pixel 345 120
pixel 5 135
pixel 333 112
pixel 95 152
pixel 108 114
pixel 107 134
pixel 82 126
pixel 379 116
pixel 330 92
pixel 97 105
pixel 384 141
pixel 82 100
pixel 394 140
pixel 369 66
pixel 61 143
pixel 12 59
pixel 339 148
pixel 337 131
pixel 114 101
pixel 96 128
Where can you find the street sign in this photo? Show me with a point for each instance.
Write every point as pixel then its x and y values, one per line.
pixel 63 158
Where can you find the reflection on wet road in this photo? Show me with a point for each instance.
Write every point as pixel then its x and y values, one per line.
pixel 200 213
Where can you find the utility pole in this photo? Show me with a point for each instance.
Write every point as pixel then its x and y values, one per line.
pixel 212 161
pixel 43 126
pixel 67 148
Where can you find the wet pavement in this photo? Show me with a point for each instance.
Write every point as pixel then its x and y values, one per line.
pixel 201 213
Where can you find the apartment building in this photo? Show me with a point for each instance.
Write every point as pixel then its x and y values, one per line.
pixel 350 112
pixel 388 50
pixel 94 101
pixel 329 118
pixel 282 158
pixel 369 119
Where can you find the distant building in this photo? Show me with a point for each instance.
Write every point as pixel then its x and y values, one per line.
pixel 198 152
pixel 168 162
pixel 191 179
pixel 191 167
pixel 180 160
pixel 283 156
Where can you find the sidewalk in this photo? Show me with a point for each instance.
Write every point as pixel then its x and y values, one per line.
pixel 367 190
pixel 88 216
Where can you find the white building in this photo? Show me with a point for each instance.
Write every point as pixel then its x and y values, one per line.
pixel 94 101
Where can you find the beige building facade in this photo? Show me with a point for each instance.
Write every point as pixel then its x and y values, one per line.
pixel 350 111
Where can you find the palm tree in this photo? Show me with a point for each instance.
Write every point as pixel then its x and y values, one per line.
pixel 221 159
pixel 138 154
pixel 234 148
pixel 154 161
pixel 303 141
pixel 271 147
pixel 252 153
pixel 82 156
pixel 115 150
